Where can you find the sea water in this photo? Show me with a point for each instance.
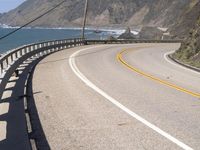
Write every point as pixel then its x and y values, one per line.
pixel 33 35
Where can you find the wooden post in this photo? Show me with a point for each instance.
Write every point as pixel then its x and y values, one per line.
pixel 85 17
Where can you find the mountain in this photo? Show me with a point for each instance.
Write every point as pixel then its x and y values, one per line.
pixel 163 13
pixel 180 17
pixel 187 20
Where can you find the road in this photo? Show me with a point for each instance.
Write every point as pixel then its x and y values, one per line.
pixel 117 97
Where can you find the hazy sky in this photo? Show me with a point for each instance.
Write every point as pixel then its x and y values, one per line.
pixel 6 5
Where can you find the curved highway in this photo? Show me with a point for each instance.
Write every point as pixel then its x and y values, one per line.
pixel 117 97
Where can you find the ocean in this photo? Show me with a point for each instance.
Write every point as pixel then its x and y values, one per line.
pixel 33 35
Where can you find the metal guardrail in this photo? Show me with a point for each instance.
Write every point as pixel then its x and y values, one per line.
pixel 51 46
pixel 11 57
pixel 39 48
pixel 10 61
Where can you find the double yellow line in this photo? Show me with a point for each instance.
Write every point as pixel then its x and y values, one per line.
pixel 120 58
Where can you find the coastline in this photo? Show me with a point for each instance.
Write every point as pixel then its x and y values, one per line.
pixel 37 34
pixel 113 30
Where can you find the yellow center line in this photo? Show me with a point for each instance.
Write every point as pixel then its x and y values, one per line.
pixel 120 59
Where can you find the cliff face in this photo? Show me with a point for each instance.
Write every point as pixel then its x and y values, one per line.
pixel 190 22
pixel 190 50
pixel 101 12
pixel 187 20
pixel 150 33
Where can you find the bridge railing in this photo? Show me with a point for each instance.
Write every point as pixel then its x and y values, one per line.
pixel 10 61
pixel 39 48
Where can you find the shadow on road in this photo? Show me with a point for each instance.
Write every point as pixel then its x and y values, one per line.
pixel 19 102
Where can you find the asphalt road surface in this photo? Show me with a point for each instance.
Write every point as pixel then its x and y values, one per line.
pixel 117 97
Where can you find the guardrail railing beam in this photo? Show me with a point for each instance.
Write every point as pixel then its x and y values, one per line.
pixel 43 48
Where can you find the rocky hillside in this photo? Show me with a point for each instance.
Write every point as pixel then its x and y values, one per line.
pixel 164 13
pixel 150 33
pixel 190 50
pixel 182 17
pixel 187 20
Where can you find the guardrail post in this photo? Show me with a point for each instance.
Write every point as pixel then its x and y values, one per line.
pixel 28 49
pixel 60 47
pixel 36 47
pixel 31 48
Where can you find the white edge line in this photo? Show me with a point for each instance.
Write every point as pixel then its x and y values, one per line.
pixel 119 105
pixel 176 64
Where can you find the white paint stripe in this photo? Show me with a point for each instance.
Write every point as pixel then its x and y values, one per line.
pixel 119 105
pixel 176 64
pixel 3 126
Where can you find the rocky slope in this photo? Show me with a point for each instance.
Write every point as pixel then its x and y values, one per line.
pixel 190 50
pixel 127 35
pixel 187 20
pixel 165 13
pixel 150 33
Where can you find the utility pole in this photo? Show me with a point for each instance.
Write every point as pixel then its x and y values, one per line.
pixel 85 17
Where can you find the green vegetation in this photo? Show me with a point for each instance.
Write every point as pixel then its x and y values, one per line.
pixel 189 52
